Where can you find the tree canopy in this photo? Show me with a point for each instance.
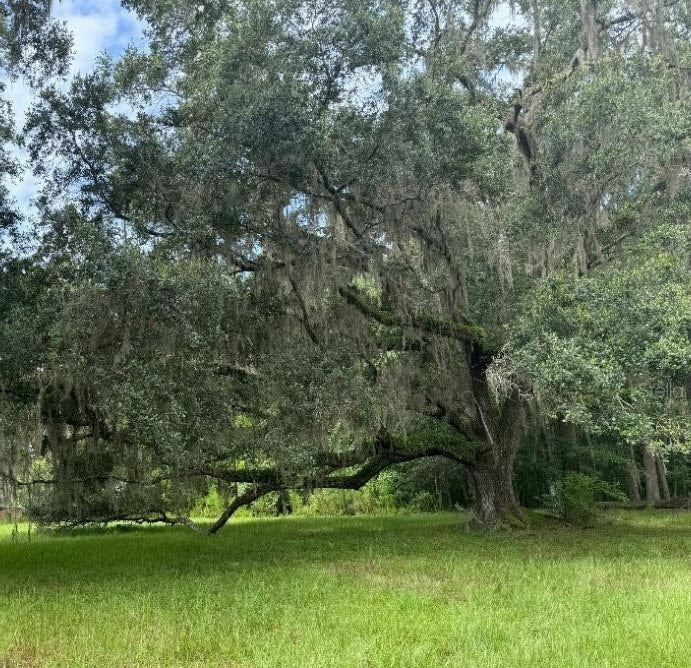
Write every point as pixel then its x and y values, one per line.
pixel 294 242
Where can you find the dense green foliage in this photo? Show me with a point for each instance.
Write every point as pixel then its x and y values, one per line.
pixel 34 47
pixel 574 498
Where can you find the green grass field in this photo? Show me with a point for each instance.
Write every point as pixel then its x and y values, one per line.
pixel 362 591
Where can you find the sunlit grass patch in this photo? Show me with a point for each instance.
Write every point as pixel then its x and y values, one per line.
pixel 356 591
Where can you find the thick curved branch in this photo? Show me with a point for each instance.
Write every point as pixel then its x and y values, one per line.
pixel 381 462
pixel 265 481
pixel 353 481
pixel 440 411
pixel 466 333
pixel 240 501
pixel 335 197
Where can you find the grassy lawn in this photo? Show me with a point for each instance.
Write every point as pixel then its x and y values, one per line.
pixel 362 591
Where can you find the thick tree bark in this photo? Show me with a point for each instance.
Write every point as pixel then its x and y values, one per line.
pixel 241 501
pixel 632 476
pixel 652 488
pixel 283 504
pixel 662 474
pixel 492 471
pixel 495 496
pixel 590 28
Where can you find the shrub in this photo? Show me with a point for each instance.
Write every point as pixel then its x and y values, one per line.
pixel 211 505
pixel 575 495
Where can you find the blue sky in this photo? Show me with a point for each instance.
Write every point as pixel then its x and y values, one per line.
pixel 97 26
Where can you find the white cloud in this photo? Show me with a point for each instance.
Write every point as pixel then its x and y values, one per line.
pixel 21 96
pixel 97 26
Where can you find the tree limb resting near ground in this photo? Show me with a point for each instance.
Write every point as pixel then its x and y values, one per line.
pixel 265 481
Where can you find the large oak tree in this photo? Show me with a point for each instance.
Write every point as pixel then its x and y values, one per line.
pixel 370 209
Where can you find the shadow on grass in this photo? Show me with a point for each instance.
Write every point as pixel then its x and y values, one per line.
pixel 142 556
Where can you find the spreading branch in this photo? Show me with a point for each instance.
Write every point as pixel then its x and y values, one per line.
pixel 466 333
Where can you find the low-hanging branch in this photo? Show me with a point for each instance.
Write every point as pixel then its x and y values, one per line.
pixel 265 481
pixel 353 481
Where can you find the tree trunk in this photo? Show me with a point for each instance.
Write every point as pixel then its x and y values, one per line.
pixel 495 496
pixel 537 37
pixel 652 488
pixel 662 474
pixel 590 27
pixel 63 449
pixel 492 471
pixel 283 504
pixel 632 476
